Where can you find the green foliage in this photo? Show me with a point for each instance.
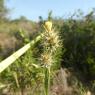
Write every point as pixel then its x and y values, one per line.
pixel 79 43
pixel 23 74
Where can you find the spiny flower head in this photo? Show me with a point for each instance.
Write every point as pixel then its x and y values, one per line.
pixel 51 43
pixel 51 40
pixel 46 59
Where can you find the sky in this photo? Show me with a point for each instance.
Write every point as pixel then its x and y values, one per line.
pixel 32 9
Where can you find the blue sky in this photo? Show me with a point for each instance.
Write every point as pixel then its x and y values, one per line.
pixel 32 9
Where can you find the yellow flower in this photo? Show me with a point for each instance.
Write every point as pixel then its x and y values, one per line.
pixel 48 25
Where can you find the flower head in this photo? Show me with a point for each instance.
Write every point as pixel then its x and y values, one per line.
pixel 46 59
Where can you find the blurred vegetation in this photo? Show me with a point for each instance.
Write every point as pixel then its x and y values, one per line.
pixel 77 34
pixel 79 43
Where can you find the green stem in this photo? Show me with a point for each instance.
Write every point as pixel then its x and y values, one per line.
pixel 47 80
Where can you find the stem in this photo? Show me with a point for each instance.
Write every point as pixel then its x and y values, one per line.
pixel 22 91
pixel 47 80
